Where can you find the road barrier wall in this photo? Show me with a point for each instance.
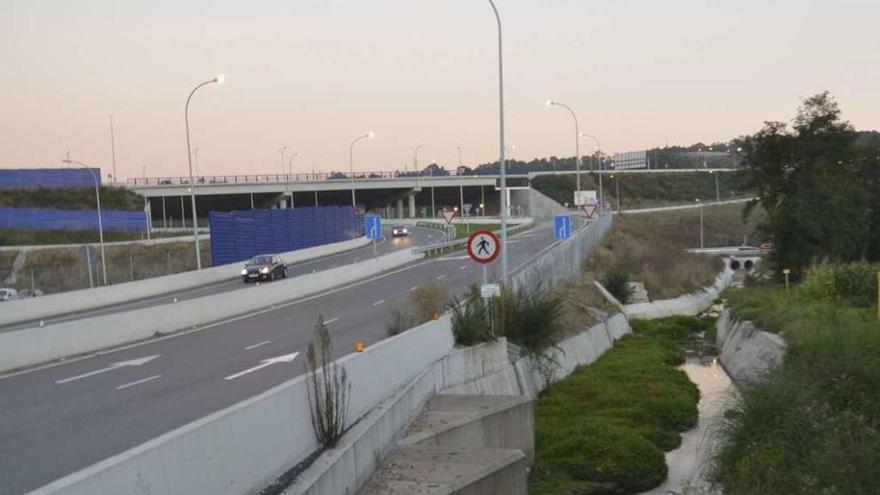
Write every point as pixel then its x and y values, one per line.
pixel 35 309
pixel 32 178
pixel 746 352
pixel 32 346
pixel 250 444
pixel 687 305
pixel 85 220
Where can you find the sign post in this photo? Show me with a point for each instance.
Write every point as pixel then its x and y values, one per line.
pixel 483 246
pixel 373 228
pixel 562 227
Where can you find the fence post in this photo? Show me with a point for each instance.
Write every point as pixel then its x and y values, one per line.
pixel 131 267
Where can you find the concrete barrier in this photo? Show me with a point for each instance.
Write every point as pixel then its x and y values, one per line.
pixel 81 300
pixel 31 346
pixel 687 305
pixel 250 444
pixel 747 353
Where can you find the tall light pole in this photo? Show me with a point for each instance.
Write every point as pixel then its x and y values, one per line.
pixel 113 152
pixel 416 157
pixel 717 191
pixel 617 189
pixel 368 135
pixel 283 162
pixel 100 221
pixel 290 163
pixel 501 146
pixel 196 155
pixel 577 138
pixel 601 170
pixel 192 186
pixel 701 221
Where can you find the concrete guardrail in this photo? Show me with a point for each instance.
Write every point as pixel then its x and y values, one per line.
pixel 33 309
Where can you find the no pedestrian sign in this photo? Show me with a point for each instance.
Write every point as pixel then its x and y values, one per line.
pixel 483 246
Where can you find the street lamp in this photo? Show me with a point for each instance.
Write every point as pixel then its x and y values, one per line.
pixel 290 163
pixel 736 152
pixel 100 221
pixel 368 135
pixel 577 138
pixel 717 191
pixel 416 157
pixel 601 170
pixel 617 190
pixel 192 189
pixel 501 162
pixel 701 221
pixel 283 162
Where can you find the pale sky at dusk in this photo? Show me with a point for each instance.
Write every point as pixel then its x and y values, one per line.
pixel 313 74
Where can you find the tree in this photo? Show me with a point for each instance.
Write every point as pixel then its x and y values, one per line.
pixel 817 184
pixel 328 388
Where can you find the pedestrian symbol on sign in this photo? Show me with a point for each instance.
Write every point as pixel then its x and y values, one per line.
pixel 483 246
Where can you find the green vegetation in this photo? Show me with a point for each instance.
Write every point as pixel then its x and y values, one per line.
pixel 65 269
pixel 6 260
pixel 462 230
pixel 422 305
pixel 646 190
pixel 650 248
pixel 78 198
pixel 812 426
pixel 604 429
pixel 823 161
pixel 47 237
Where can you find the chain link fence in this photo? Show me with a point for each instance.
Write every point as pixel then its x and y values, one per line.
pixel 562 260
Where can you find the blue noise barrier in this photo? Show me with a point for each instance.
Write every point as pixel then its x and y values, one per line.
pixel 241 235
pixel 47 219
pixel 26 178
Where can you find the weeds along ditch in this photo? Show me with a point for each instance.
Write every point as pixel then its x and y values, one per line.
pixel 812 425
pixel 605 428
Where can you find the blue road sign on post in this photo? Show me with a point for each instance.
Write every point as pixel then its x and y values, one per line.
pixel 562 227
pixel 373 225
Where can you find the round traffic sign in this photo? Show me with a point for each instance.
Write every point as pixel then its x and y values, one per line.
pixel 483 246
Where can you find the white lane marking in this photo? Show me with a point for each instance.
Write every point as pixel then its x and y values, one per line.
pixel 287 358
pixel 381 301
pixel 261 344
pixel 463 267
pixel 145 380
pixel 121 364
pixel 441 277
pixel 331 320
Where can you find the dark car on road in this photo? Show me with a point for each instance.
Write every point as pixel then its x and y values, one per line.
pixel 264 267
pixel 399 231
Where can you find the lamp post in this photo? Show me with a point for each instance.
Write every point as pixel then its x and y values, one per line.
pixel 501 162
pixel 736 151
pixel 601 170
pixel 368 135
pixel 283 161
pixel 617 190
pixel 577 138
pixel 717 190
pixel 416 157
pixel 701 222
pixel 196 155
pixel 192 186
pixel 100 221
pixel 290 164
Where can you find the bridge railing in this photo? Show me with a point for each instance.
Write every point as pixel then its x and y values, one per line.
pixel 286 178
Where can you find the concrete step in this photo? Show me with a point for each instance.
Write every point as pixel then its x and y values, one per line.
pixel 475 422
pixel 416 470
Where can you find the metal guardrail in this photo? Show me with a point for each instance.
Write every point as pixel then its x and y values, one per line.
pixel 454 243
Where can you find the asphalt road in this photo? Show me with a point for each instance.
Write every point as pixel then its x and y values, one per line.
pixel 57 420
pixel 419 236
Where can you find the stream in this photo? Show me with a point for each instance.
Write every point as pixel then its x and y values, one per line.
pixel 689 464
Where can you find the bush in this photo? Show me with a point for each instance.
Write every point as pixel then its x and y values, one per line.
pixel 529 318
pixel 428 300
pixel 605 427
pixel 470 324
pixel 616 281
pixel 855 282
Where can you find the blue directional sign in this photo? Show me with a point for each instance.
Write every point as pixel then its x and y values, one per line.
pixel 373 226
pixel 562 227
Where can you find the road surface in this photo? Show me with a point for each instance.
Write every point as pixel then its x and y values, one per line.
pixel 60 419
pixel 420 236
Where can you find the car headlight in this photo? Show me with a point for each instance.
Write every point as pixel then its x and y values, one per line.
pixel 265 269
pixel 244 271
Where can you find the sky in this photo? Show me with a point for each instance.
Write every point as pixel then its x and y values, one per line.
pixel 314 74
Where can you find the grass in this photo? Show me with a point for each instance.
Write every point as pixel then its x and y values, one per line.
pixel 77 198
pixel 422 305
pixel 48 237
pixel 462 230
pixel 605 428
pixel 650 248
pixel 646 190
pixel 65 269
pixel 6 260
pixel 812 425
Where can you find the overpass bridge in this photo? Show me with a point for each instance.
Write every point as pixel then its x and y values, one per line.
pixel 392 194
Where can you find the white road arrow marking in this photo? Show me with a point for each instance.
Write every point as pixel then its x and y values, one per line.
pixel 287 358
pixel 121 364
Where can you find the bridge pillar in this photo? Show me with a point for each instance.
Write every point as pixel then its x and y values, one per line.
pixel 400 208
pixel 412 205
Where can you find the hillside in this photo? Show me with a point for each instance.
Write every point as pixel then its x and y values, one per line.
pixel 112 198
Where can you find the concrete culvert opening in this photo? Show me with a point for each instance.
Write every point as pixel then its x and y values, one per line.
pixel 749 264
pixel 734 264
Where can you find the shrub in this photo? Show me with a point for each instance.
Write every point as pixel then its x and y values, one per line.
pixel 854 282
pixel 328 388
pixel 616 281
pixel 428 300
pixel 470 324
pixel 531 318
